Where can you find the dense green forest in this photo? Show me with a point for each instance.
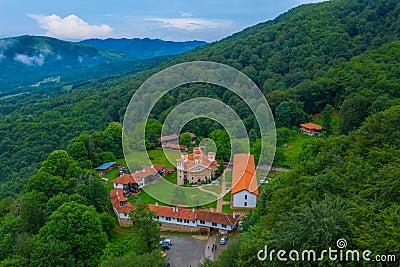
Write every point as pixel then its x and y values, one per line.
pixel 312 65
pixel 344 187
pixel 337 57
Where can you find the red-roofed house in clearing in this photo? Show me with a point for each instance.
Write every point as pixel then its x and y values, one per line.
pixel 311 129
pixel 195 167
pixel 191 220
pixel 121 207
pixel 131 183
pixel 168 139
pixel 244 182
pixel 127 183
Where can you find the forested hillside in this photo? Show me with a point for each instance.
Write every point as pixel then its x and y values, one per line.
pixel 344 187
pixel 296 56
pixel 340 56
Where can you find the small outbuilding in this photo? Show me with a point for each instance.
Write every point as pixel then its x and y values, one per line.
pixel 106 167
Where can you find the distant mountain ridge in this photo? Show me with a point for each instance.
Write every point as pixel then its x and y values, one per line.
pixel 144 48
pixel 28 61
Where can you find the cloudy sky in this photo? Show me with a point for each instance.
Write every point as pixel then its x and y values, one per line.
pixel 175 20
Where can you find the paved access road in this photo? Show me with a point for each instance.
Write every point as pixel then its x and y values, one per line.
pixel 185 250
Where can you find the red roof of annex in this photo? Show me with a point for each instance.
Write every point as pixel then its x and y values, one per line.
pixel 311 126
pixel 192 214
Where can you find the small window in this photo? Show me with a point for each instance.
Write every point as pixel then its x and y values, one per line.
pixel 245 196
pixel 202 222
pixel 125 214
pixel 116 184
pixel 245 204
pixel 223 225
pixel 214 224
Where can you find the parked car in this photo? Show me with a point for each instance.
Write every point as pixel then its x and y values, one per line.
pixel 263 182
pixel 169 241
pixel 166 241
pixel 223 240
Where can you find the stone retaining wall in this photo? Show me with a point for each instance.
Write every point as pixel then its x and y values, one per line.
pixel 177 227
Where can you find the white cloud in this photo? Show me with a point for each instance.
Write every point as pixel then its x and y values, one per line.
pixel 71 27
pixel 31 61
pixel 186 14
pixel 191 24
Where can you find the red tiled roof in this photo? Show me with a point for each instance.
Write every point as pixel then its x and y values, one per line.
pixel 182 213
pixel 116 197
pixel 125 179
pixel 203 160
pixel 148 171
pixel 244 174
pixel 168 137
pixel 159 167
pixel 311 126
pixel 216 217
pixel 189 214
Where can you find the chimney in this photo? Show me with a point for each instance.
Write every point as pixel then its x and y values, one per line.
pixel 156 204
pixel 211 156
pixel 192 209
